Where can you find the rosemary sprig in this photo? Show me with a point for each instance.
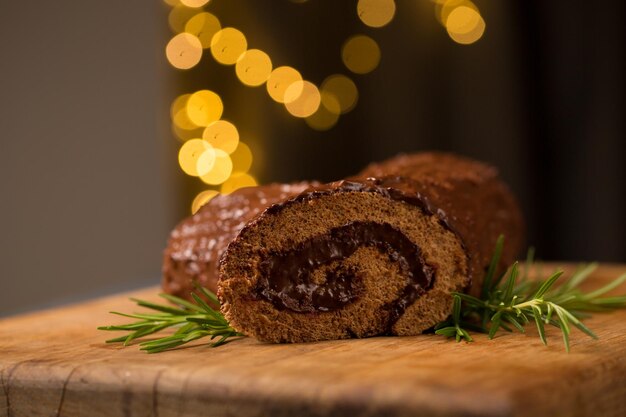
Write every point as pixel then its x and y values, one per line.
pixel 510 302
pixel 194 320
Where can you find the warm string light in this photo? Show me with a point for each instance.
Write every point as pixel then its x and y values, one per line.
pixel 462 20
pixel 211 150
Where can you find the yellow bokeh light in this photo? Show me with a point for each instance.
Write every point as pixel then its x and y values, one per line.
pixel 189 154
pixel 204 107
pixel 204 26
pixel 342 89
pixel 279 80
pixel 178 17
pixel 326 115
pixel 222 135
pixel 443 8
pixel 242 158
pixel 186 134
pixel 171 2
pixel 376 13
pixel 227 45
pixel 237 181
pixel 221 169
pixel 465 25
pixel 178 113
pixel 253 67
pixel 184 51
pixel 201 199
pixel 302 98
pixel 360 54
pixel 206 161
pixel 194 3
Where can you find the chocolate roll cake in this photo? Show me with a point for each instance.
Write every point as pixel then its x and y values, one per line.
pixel 196 244
pixel 377 254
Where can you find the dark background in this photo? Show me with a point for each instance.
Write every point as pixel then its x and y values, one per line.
pixel 89 179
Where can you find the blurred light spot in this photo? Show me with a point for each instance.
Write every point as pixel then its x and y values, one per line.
pixel 279 80
pixel 376 13
pixel 201 199
pixel 204 26
pixel 204 107
pixel 186 134
pixel 237 181
pixel 227 45
pixel 242 158
pixel 184 51
pixel 206 161
pixel 172 2
pixel 465 25
pixel 302 98
pixel 179 16
pixel 253 67
pixel 360 54
pixel 443 8
pixel 326 115
pixel 178 113
pixel 194 3
pixel 221 169
pixel 342 89
pixel 222 135
pixel 189 154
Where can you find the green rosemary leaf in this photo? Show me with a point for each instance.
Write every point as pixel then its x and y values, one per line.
pixel 511 319
pixel 159 307
pixel 509 285
pixel 194 320
pixel 493 265
pixel 607 288
pixel 181 302
pixel 547 284
pixel 539 321
pixel 496 320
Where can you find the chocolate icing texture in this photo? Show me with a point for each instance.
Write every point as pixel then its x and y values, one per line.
pixel 196 244
pixel 287 282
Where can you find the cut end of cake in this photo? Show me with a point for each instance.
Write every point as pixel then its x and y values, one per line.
pixel 339 262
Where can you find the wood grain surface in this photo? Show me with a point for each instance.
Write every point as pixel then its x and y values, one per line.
pixel 54 363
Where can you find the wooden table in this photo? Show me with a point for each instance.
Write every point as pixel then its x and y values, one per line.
pixel 54 363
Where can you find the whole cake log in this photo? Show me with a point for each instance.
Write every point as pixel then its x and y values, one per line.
pixel 378 254
pixel 196 244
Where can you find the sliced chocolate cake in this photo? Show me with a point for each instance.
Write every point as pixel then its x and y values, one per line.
pixel 196 244
pixel 378 254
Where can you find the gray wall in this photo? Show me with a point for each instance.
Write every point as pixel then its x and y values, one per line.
pixel 87 165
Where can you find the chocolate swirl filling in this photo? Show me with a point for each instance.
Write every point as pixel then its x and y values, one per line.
pixel 287 278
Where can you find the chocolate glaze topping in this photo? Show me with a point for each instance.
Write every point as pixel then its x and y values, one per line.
pixel 287 276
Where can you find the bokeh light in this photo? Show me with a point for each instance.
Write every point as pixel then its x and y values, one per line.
pixel 443 8
pixel 194 3
pixel 237 181
pixel 227 45
pixel 178 113
pixel 189 154
pixel 465 25
pixel 221 169
pixel 326 115
pixel 204 26
pixel 342 89
pixel 222 135
pixel 201 199
pixel 204 107
pixel 279 80
pixel 360 54
pixel 253 67
pixel 178 17
pixel 241 158
pixel 206 161
pixel 184 51
pixel 376 13
pixel 302 98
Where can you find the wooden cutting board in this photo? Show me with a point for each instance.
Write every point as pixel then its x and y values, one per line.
pixel 54 363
